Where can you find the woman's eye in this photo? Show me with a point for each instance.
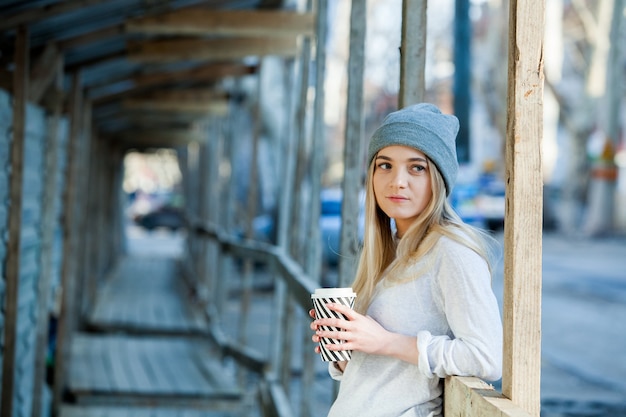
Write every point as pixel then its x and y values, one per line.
pixel 384 165
pixel 418 168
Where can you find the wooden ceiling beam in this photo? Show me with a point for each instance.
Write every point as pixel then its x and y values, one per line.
pixel 210 49
pixel 90 37
pixel 141 120
pixel 187 94
pixel 160 137
pixel 65 44
pixel 188 105
pixel 152 119
pixel 76 66
pixel 201 73
pixel 40 13
pixel 203 21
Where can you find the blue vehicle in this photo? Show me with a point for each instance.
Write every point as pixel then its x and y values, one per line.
pixel 330 225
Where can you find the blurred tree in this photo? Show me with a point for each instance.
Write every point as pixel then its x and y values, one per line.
pixel 583 68
pixel 583 98
pixel 600 217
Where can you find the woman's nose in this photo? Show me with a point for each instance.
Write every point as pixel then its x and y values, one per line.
pixel 399 179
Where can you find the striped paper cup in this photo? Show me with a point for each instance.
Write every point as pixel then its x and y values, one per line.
pixel 321 297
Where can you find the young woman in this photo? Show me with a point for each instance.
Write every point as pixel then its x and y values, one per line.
pixel 425 308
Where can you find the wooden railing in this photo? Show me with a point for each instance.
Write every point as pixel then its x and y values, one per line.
pixel 292 288
pixel 472 397
pixel 464 396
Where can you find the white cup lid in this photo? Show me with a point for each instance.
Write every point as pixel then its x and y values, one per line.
pixel 333 292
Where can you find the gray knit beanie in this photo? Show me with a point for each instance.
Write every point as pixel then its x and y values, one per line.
pixel 423 127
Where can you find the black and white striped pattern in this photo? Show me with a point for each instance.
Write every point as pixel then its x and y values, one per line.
pixel 322 312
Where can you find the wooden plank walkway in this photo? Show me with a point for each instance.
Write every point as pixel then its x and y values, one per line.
pixel 147 352
pixel 147 294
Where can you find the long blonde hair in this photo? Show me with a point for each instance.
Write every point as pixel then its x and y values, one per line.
pixel 380 251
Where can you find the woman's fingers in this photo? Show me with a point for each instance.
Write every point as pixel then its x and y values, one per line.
pixel 342 326
pixel 333 334
pixel 343 309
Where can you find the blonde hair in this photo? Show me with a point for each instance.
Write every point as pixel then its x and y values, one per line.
pixel 380 252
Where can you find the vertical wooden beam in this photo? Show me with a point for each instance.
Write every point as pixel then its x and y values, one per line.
pixel 300 213
pixel 252 203
pixel 109 224
pixel 353 149
pixel 117 162
pixel 101 155
pixel 48 227
pixel 70 225
pixel 85 176
pixel 20 93
pixel 229 205
pixel 413 53
pixel 287 148
pixel 523 225
pixel 200 260
pixel 92 156
pixel 318 159
pixel 213 190
pixel 313 248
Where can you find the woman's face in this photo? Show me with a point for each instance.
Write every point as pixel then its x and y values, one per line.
pixel 402 184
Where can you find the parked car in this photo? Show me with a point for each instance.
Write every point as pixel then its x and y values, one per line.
pixel 491 203
pixel 330 225
pixel 166 216
pixel 480 203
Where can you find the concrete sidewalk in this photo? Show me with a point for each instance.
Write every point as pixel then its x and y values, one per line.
pixel 583 326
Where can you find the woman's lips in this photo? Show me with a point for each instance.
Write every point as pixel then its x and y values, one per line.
pixel 397 198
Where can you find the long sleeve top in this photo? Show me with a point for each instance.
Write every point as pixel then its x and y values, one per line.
pixel 451 308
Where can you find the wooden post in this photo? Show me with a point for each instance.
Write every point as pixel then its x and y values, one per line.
pixel 523 225
pixel 319 140
pixel 20 92
pixel 49 222
pixel 226 210
pixel 86 176
pixel 90 214
pixel 69 263
pixel 287 149
pixel 413 53
pixel 313 248
pixel 200 260
pixel 353 148
pixel 213 184
pixel 253 195
pixel 300 213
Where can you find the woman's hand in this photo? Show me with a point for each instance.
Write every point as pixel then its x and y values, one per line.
pixel 363 333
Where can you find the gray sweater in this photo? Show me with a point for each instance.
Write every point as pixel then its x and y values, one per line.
pixel 452 310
